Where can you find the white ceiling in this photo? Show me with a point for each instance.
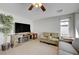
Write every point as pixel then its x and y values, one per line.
pixel 21 9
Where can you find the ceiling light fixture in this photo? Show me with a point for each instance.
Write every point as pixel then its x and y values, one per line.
pixel 37 5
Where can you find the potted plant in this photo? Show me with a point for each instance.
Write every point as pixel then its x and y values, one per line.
pixel 7 22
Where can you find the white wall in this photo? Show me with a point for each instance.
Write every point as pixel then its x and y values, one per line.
pixel 76 42
pixel 52 24
pixel 47 25
pixel 77 25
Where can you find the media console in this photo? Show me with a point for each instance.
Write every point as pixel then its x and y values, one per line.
pixel 23 37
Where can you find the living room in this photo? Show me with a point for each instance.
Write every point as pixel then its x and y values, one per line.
pixel 50 32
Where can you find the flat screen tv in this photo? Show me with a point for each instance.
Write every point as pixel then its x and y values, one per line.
pixel 20 27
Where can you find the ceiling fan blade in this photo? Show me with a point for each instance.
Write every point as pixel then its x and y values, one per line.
pixel 30 8
pixel 43 8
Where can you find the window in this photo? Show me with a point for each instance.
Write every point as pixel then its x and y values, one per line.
pixel 64 27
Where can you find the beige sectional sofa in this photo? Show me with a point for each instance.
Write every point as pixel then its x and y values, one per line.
pixel 52 38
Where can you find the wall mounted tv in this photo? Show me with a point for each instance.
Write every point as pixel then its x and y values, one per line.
pixel 20 27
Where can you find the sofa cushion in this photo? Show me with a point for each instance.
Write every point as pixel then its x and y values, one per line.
pixel 55 35
pixel 45 34
pixel 67 47
pixel 45 38
pixel 53 39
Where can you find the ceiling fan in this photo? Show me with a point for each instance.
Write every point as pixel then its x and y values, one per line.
pixel 37 5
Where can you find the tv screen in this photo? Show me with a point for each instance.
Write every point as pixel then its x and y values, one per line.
pixel 19 27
